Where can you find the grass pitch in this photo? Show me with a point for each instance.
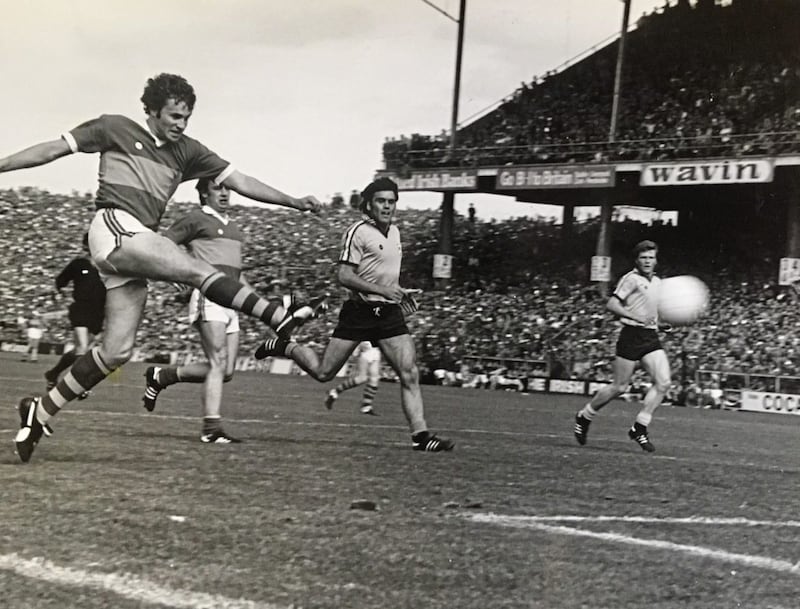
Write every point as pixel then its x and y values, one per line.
pixel 123 508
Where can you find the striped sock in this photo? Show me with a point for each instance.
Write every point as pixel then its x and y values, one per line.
pixel 87 371
pixel 369 395
pixel 587 412
pixel 347 384
pixel 229 293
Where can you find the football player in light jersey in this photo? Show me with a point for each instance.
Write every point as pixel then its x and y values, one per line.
pixel 368 370
pixel 141 166
pixel 635 302
pixel 210 235
pixel 369 267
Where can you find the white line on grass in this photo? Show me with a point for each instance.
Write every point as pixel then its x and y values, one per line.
pixel 529 522
pixel 650 520
pixel 123 585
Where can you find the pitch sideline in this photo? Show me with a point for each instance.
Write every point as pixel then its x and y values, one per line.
pixel 748 560
pixel 123 585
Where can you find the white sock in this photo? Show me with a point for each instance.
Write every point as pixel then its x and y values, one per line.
pixel 587 412
pixel 41 414
pixel 644 418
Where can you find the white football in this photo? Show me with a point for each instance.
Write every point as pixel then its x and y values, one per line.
pixel 682 300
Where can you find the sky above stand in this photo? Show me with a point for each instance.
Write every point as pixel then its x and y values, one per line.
pixel 299 93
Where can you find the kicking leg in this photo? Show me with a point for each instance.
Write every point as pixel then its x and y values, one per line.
pixel 155 257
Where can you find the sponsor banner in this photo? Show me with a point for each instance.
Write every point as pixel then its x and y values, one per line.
pixel 442 180
pixel 780 403
pixel 442 266
pixel 567 386
pixel 7 347
pixel 593 387
pixel 707 172
pixel 244 363
pixel 601 268
pixel 551 176
pixel 537 384
pixel 789 271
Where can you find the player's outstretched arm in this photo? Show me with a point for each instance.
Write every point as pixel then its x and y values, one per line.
pixel 254 189
pixel 39 154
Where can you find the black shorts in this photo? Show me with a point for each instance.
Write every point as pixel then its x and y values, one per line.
pixel 86 316
pixel 635 342
pixel 364 321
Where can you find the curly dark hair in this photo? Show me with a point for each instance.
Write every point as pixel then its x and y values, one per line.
pixel 164 87
pixel 376 186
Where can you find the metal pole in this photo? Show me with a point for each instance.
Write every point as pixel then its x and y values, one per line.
pixel 457 86
pixel 607 206
pixel 612 132
pixel 447 217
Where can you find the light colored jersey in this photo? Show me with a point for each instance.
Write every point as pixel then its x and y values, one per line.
pixel 137 173
pixel 375 256
pixel 640 296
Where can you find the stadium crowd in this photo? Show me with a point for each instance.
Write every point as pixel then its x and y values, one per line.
pixel 702 81
pixel 520 298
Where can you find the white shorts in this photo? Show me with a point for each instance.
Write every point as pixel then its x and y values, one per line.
pixel 202 309
pixel 369 364
pixel 35 333
pixel 106 232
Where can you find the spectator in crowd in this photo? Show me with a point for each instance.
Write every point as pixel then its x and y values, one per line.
pixel 503 378
pixel 700 97
pixel 523 269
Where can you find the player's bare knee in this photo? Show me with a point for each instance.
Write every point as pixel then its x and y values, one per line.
pixel 662 385
pixel 618 388
pixel 409 376
pixel 116 357
pixel 323 376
